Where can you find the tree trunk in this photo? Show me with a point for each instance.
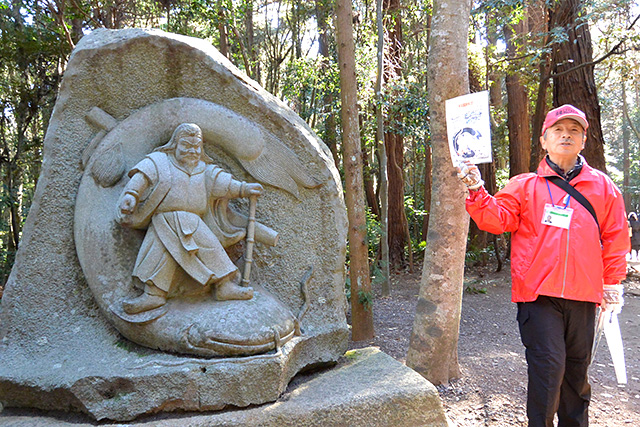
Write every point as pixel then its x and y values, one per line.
pixel 369 191
pixel 577 86
pixel 252 70
pixel 222 29
pixel 480 239
pixel 518 105
pixel 537 152
pixel 330 133
pixel 394 143
pixel 427 160
pixel 538 24
pixel 427 190
pixel 247 12
pixel 382 158
pixel 493 72
pixel 361 297
pixel 626 164
pixel 330 130
pixel 433 350
pixel 397 218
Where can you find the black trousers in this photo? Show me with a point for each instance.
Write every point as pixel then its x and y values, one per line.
pixel 557 335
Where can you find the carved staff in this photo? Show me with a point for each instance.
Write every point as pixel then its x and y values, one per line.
pixel 251 231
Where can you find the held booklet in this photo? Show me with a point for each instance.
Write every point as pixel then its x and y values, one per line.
pixel 468 128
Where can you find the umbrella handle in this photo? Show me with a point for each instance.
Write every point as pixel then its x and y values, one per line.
pixel 251 231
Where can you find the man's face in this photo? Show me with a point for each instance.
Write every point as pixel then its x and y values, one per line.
pixel 189 149
pixel 564 140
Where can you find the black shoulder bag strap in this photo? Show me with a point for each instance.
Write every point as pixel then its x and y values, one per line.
pixel 575 194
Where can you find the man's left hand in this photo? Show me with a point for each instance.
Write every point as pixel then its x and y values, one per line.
pixel 469 174
pixel 612 299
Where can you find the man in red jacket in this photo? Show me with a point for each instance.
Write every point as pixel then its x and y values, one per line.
pixel 565 260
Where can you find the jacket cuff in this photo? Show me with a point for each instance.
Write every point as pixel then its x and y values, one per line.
pixel 476 194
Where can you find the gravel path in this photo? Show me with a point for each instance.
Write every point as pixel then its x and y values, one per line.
pixel 492 389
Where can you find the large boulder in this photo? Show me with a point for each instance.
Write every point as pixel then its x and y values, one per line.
pixel 67 345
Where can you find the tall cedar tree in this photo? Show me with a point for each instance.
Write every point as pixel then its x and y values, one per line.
pixel 518 105
pixel 394 142
pixel 538 24
pixel 433 350
pixel 382 157
pixel 573 79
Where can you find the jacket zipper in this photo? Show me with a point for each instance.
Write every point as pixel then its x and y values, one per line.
pixel 566 260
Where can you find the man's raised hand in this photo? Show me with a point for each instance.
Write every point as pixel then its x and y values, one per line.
pixel 469 174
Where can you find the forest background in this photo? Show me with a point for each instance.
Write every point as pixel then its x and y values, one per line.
pixel 530 55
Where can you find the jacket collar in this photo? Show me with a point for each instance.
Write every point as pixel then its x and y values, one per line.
pixel 549 168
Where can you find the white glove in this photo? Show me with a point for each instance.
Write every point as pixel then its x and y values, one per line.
pixel 612 299
pixel 470 175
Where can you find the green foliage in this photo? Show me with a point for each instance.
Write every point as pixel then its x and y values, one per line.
pixel 305 84
pixel 416 215
pixel 618 78
pixel 32 49
pixel 198 18
pixel 352 354
pixel 502 177
pixel 365 298
pixel 500 142
pixel 377 273
pixel 280 54
pixel 347 288
pixel 374 232
pixel 124 344
pixel 406 108
pixel 7 257
pixel 473 287
pixel 476 254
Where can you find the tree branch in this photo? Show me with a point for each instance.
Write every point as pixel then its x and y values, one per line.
pixel 626 115
pixel 86 15
pixel 59 17
pixel 602 58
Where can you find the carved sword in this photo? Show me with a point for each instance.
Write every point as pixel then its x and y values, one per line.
pixel 251 230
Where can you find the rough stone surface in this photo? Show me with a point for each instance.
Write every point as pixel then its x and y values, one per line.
pixel 368 389
pixel 60 348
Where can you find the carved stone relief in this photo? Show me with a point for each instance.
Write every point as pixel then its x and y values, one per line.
pixel 166 230
pixel 118 210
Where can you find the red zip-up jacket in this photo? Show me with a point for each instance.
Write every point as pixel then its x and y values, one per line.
pixel 546 260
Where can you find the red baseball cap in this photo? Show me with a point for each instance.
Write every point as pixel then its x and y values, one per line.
pixel 566 111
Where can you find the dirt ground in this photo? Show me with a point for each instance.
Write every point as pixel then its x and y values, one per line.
pixel 492 389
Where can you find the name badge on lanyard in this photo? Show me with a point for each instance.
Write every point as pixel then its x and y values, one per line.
pixel 556 216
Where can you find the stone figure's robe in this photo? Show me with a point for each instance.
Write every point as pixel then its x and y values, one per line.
pixel 187 228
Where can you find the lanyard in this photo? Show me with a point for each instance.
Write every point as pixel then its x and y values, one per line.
pixel 551 197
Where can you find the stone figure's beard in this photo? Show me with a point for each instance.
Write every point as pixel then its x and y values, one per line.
pixel 188 160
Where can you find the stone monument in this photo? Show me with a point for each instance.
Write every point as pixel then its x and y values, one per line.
pixel 185 248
